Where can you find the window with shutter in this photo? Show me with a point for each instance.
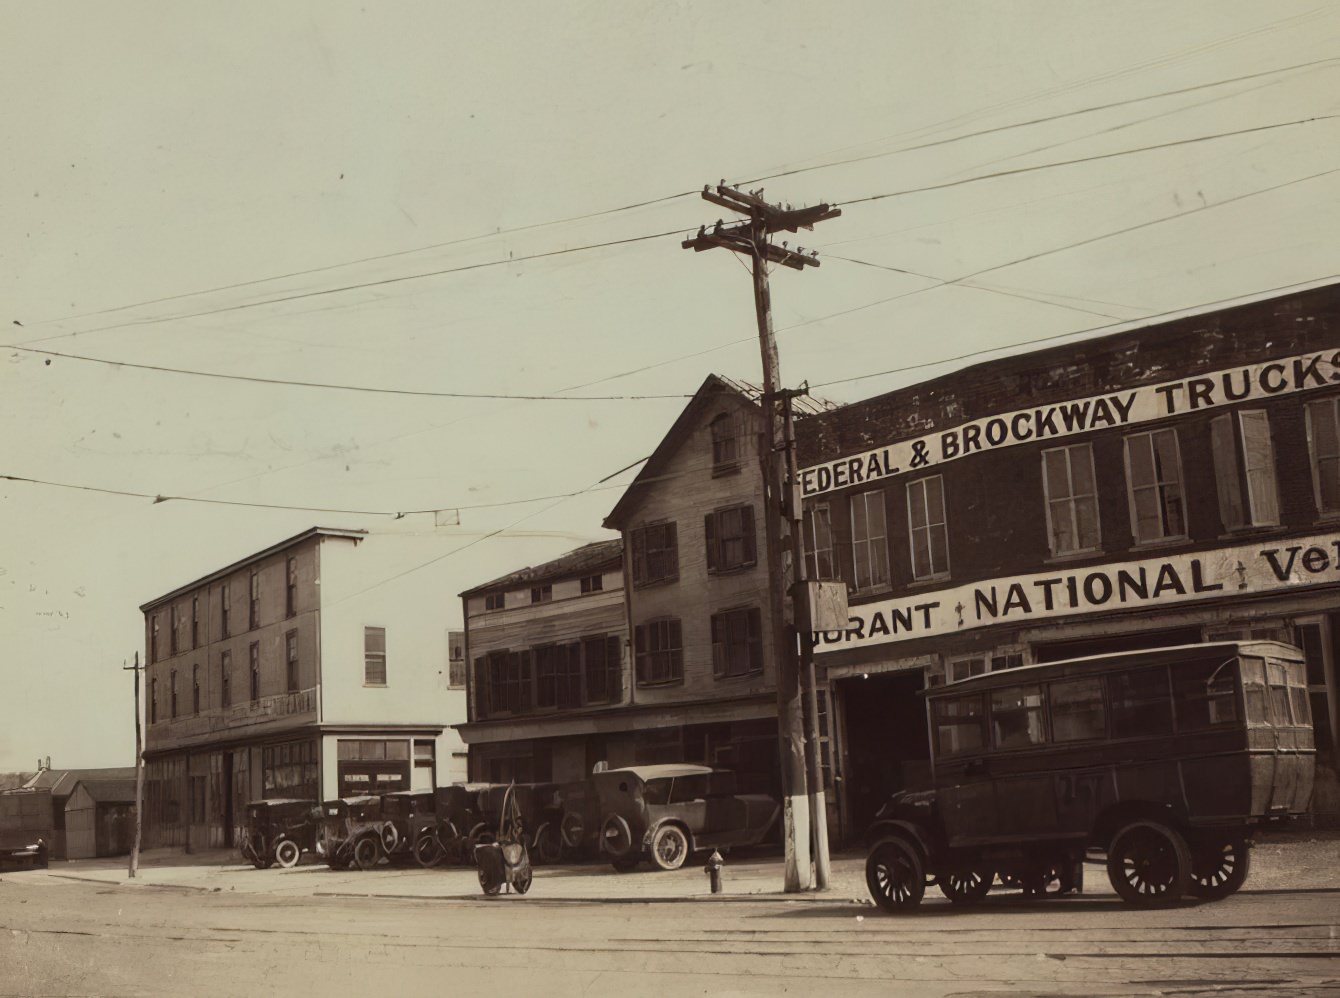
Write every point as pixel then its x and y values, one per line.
pixel 737 642
pixel 658 648
pixel 729 534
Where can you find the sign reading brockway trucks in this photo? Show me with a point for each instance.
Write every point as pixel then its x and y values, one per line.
pixel 1247 570
pixel 1062 419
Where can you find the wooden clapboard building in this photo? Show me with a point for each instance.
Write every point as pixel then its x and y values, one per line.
pixel 685 590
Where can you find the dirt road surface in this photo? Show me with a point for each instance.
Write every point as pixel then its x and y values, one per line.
pixel 211 926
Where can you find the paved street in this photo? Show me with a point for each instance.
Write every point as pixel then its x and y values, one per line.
pixel 205 925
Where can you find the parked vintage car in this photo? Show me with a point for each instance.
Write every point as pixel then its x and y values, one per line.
pixel 279 831
pixel 665 812
pixel 407 815
pixel 1165 760
pixel 352 832
pixel 456 818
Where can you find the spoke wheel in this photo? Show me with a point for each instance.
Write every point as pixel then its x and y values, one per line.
pixel 287 853
pixel 573 830
pixel 548 843
pixel 428 851
pixel 966 886
pixel 669 847
pixel 367 851
pixel 1220 868
pixel 522 883
pixel 1149 863
pixel 894 875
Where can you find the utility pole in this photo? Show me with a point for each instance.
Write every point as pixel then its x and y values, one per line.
pixel 139 772
pixel 751 237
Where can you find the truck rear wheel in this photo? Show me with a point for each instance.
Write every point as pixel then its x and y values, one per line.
pixel 1149 863
pixel 1218 868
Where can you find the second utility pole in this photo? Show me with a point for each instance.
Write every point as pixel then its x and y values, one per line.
pixel 751 238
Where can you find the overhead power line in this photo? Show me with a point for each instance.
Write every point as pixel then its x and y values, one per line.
pixel 345 388
pixel 1297 67
pixel 381 282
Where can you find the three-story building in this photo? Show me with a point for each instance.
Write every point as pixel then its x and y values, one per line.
pixel 291 673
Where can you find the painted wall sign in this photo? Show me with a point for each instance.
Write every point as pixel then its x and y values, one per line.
pixel 1152 582
pixel 1063 419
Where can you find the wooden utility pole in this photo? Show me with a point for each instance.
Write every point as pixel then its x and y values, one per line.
pixel 751 237
pixel 139 773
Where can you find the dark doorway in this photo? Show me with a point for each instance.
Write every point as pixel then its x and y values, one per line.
pixel 1059 651
pixel 885 742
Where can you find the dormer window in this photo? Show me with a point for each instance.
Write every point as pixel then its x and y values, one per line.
pixel 725 444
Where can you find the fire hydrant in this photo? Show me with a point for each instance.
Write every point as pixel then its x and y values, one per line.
pixel 713 870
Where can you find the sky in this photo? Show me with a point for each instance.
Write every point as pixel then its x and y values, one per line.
pixel 323 264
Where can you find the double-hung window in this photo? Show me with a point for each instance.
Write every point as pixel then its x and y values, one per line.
pixel 725 443
pixel 928 531
pixel 374 656
pixel 254 612
pixel 226 679
pixel 655 553
pixel 1323 442
pixel 1154 477
pixel 869 541
pixel 659 651
pixel 1072 499
pixel 819 543
pixel 255 671
pixel 291 675
pixel 730 538
pixel 737 642
pixel 1244 469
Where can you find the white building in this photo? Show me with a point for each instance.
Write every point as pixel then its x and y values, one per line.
pixel 291 673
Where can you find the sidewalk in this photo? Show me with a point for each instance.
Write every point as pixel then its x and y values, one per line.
pixel 752 878
pixel 1296 860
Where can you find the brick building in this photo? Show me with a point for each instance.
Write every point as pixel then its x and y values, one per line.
pixel 290 673
pixel 1172 484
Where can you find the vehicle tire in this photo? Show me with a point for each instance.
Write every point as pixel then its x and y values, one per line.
pixel 390 836
pixel 894 875
pixel 616 837
pixel 287 853
pixel 966 886
pixel 626 864
pixel 428 851
pixel 573 829
pixel 522 883
pixel 669 847
pixel 548 843
pixel 367 852
pixel 479 836
pixel 1219 868
pixel 1149 863
pixel 487 884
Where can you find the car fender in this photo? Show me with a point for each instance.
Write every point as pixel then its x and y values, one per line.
pixel 920 834
pixel 655 826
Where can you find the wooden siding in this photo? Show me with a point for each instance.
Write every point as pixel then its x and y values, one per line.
pixel 688 493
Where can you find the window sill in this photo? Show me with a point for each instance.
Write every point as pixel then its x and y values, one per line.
pixel 1262 530
pixel 649 583
pixel 928 581
pixel 733 570
pixel 659 684
pixel 1071 557
pixel 721 470
pixel 1162 542
pixel 744 675
pixel 873 591
pixel 374 686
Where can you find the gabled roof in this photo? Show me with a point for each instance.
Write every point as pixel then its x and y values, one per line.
pixel 583 561
pixel 109 791
pixel 355 535
pixel 61 782
pixel 710 394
